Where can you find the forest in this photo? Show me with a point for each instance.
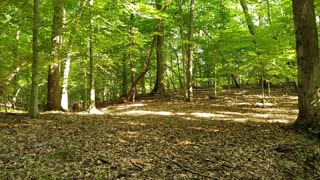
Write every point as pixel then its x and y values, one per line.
pixel 159 89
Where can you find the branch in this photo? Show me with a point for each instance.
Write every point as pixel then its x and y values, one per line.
pixel 192 171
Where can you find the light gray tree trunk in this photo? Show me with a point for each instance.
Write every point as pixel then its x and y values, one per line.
pixel 92 106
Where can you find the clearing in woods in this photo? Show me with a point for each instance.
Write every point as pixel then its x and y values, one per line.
pixel 228 137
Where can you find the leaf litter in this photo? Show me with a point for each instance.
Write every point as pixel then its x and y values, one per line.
pixel 227 137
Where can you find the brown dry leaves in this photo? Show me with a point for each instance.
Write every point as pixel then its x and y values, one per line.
pixel 230 137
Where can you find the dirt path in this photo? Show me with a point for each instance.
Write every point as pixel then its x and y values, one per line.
pixel 230 137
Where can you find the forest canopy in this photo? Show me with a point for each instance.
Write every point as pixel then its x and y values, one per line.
pixel 106 45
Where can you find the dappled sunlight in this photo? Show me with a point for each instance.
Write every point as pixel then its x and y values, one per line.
pixel 130 134
pixel 207 115
pixel 230 113
pixel 184 142
pixel 240 106
pixel 122 107
pixel 140 112
pixel 239 119
pixel 134 123
pixel 285 121
pixel 261 115
pixel 271 116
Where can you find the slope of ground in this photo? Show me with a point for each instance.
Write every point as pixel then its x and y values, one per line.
pixel 228 137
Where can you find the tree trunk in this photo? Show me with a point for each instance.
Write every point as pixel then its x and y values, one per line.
pixel 92 106
pixel 190 54
pixel 183 51
pixel 67 63
pixel 248 17
pixel 54 88
pixel 124 75
pixel 143 73
pixel 159 84
pixel 64 94
pixel 131 52
pixel 147 68
pixel 235 81
pixel 33 111
pixel 308 64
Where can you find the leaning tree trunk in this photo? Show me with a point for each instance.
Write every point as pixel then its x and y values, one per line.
pixel 33 111
pixel 308 64
pixel 147 68
pixel 54 88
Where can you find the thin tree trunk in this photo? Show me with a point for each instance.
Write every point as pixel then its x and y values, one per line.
pixel 143 73
pixel 92 106
pixel 190 54
pixel 67 62
pixel 248 17
pixel 124 74
pixel 308 64
pixel 64 94
pixel 33 111
pixel 147 68
pixel 269 12
pixel 183 51
pixel 132 61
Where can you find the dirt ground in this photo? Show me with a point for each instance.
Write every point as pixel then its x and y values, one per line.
pixel 228 137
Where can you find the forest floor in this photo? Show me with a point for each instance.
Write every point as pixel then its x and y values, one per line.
pixel 228 137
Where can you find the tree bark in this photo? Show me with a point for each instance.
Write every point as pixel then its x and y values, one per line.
pixel 183 51
pixel 92 106
pixel 308 64
pixel 131 52
pixel 124 74
pixel 143 73
pixel 159 87
pixel 147 68
pixel 33 111
pixel 248 17
pixel 190 54
pixel 54 88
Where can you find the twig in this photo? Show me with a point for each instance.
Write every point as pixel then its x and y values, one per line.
pixel 135 164
pixel 192 171
pixel 104 160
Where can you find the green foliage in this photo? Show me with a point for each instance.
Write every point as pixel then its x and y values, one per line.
pixel 221 37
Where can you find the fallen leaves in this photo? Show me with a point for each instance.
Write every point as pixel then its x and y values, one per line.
pixel 199 140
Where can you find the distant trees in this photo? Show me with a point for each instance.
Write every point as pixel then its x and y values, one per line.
pixel 308 64
pixel 200 51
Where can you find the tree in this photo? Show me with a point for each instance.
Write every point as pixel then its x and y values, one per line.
pixel 190 53
pixel 33 111
pixel 92 106
pixel 308 64
pixel 54 87
pixel 159 84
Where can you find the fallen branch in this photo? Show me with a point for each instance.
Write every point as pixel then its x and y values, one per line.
pixel 192 171
pixel 136 165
